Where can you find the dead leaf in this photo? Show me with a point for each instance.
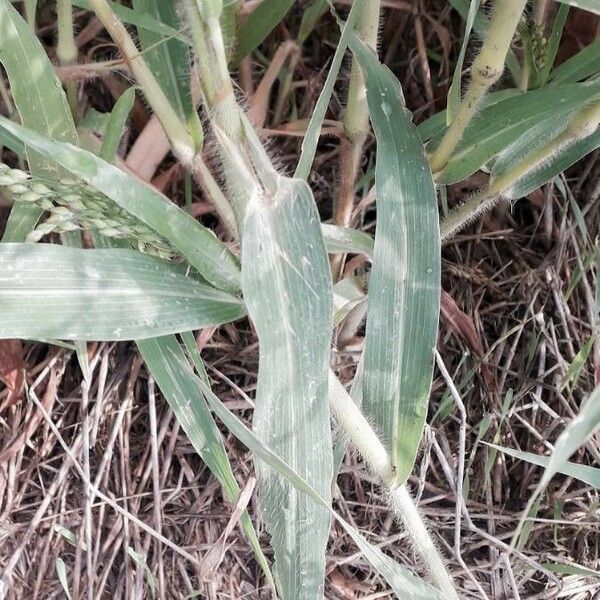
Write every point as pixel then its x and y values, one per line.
pixel 12 369
pixel 463 325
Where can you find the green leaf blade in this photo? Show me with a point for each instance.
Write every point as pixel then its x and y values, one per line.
pixel 287 289
pixel 51 291
pixel 504 123
pixel 404 288
pixel 179 385
pixel 204 251
pixel 40 101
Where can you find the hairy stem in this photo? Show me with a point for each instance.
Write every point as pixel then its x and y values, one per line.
pixel 487 68
pixel 583 124
pixel 405 508
pixel 247 168
pixel 361 434
pixel 356 117
pixel 181 141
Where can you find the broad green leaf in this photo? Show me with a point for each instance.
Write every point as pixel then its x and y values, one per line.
pixel 403 583
pixel 341 239
pixel 503 123
pixel 589 475
pixel 592 6
pixel 584 64
pixel 52 291
pixel 404 287
pixel 287 289
pixel 454 94
pixel 198 244
pixel 311 138
pixel 434 126
pixel 169 61
pixel 261 21
pixel 179 385
pixel 40 101
pixel 575 434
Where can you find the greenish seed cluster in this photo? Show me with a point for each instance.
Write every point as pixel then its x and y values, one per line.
pixel 73 205
pixel 539 45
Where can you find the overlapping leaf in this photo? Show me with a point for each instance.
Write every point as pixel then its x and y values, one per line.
pixel 51 291
pixel 503 123
pixel 404 288
pixel 287 289
pixel 40 101
pixel 198 244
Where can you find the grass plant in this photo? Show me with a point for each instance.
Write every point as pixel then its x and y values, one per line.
pixel 147 270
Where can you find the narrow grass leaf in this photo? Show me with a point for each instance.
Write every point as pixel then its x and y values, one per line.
pixel 497 126
pixel 550 169
pixel 343 240
pixel 403 583
pixel 570 569
pixel 578 362
pixel 592 6
pixel 138 19
pixel 454 94
pixel 140 560
pixel 180 387
pixel 40 101
pixel 553 44
pixel 199 245
pixel 287 289
pixel 584 64
pixel 310 18
pixel 61 572
pixel 52 291
pixel 575 434
pixel 261 21
pixel 585 473
pixel 480 25
pixel 115 125
pixel 404 288
pixel 169 60
pixel 311 138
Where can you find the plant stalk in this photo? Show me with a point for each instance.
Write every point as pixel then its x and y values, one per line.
pixel 583 124
pixel 367 442
pixel 486 70
pixel 181 141
pixel 66 50
pixel 356 117
pixel 248 170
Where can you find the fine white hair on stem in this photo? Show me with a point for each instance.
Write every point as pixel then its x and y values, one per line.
pixel 366 441
pixel 406 510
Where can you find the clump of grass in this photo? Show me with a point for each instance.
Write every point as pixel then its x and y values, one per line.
pixel 285 280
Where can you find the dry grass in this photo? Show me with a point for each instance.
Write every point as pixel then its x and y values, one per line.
pixel 514 329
